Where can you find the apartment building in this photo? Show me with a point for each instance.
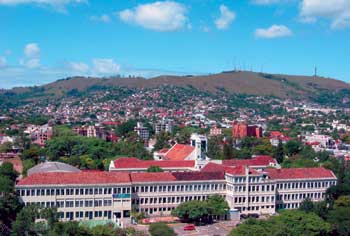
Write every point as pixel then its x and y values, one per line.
pixel 142 131
pixel 165 125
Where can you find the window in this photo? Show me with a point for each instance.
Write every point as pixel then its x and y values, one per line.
pixel 69 204
pixel 107 202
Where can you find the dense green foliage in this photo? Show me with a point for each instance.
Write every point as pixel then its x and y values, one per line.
pixel 9 202
pixel 26 224
pixel 155 169
pixel 90 153
pixel 201 211
pixel 161 229
pixel 288 223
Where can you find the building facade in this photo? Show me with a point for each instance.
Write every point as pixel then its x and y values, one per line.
pixel 88 195
pixel 242 130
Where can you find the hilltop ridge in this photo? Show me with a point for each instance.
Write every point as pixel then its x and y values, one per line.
pixel 238 82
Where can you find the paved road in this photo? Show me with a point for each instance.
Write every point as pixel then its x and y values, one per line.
pixel 217 229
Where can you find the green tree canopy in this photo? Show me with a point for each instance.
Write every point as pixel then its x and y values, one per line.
pixel 161 229
pixel 155 169
pixel 288 223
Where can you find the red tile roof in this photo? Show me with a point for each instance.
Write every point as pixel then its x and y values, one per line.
pixel 300 173
pixel 152 177
pixel 240 170
pixel 133 162
pixel 213 167
pixel 179 152
pixel 65 178
pixel 194 176
pixel 256 161
pixel 164 150
pixel 276 134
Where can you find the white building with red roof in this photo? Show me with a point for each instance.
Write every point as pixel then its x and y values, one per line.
pixel 256 186
pixel 276 137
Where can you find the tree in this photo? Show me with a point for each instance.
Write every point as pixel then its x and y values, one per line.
pixel 6 147
pixel 201 211
pixel 214 148
pixel 218 205
pixel 307 205
pixel 227 151
pixel 162 141
pixel 161 229
pixel 24 224
pixel 9 207
pixel 27 164
pixel 155 169
pixel 126 127
pixel 6 185
pixel 191 211
pixel 342 201
pixel 31 153
pixel 279 152
pixel 70 228
pixel 6 169
pixel 292 222
pixel 292 147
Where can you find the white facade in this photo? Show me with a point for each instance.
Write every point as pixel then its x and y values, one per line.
pixel 157 194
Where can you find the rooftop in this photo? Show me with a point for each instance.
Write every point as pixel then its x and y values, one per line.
pixel 300 173
pixel 84 177
pixel 152 177
pixel 133 162
pixel 52 167
pixel 179 152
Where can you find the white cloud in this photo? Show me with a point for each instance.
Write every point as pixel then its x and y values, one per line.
pixel 225 19
pixel 338 11
pixel 79 67
pixel 105 66
pixel 103 18
pixel 159 16
pixel 275 31
pixel 32 50
pixel 3 62
pixel 31 56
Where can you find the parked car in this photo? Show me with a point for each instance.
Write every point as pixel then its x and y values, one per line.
pixel 243 216
pixel 189 227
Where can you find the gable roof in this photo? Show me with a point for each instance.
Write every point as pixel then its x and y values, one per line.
pixel 189 176
pixel 179 152
pixel 133 162
pixel 240 170
pixel 152 177
pixel 76 178
pixel 213 167
pixel 300 173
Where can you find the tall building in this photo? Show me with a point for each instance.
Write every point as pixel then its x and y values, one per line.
pixel 242 130
pixel 142 131
pixel 165 125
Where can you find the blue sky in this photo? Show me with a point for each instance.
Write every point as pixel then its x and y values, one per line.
pixel 45 40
